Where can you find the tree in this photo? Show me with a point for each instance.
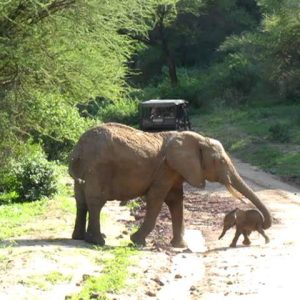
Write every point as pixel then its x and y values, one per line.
pixel 273 48
pixel 55 54
pixel 188 33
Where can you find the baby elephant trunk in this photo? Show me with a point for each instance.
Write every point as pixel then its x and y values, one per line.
pixel 223 233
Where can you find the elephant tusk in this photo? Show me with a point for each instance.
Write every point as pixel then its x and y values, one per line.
pixel 235 193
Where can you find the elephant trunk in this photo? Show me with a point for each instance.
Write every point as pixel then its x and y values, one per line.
pixel 223 233
pixel 239 184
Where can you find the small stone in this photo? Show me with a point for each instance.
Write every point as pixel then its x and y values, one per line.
pixel 192 288
pixel 150 294
pixel 85 277
pixel 158 281
pixel 94 295
pixel 178 276
pixel 229 282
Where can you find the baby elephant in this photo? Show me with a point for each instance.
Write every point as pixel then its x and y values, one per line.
pixel 245 221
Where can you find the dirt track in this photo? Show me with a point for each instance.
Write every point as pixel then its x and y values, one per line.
pixel 214 272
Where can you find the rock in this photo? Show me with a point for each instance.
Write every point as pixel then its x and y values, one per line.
pixel 158 281
pixel 192 288
pixel 178 276
pixel 150 294
pixel 85 277
pixel 94 295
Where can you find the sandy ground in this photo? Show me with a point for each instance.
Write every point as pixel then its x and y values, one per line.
pixel 208 269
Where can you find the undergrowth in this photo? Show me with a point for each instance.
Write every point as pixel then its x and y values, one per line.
pixel 268 137
pixel 113 276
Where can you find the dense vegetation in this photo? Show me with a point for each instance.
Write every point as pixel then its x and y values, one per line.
pixel 68 64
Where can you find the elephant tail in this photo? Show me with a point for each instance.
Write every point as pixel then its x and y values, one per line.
pixel 75 168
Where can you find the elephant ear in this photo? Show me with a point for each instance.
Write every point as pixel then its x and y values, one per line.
pixel 183 154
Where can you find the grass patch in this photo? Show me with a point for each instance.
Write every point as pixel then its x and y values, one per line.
pixel 268 137
pixel 44 282
pixel 14 217
pixel 113 277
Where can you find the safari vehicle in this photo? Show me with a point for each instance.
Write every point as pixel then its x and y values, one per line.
pixel 158 115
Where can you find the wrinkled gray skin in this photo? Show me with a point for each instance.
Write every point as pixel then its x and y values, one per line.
pixel 245 221
pixel 117 162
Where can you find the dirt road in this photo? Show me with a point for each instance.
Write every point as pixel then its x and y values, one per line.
pixel 208 270
pixel 260 271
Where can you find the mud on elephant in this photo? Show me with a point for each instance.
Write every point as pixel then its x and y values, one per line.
pixel 117 162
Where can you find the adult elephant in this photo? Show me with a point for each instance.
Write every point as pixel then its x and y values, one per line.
pixel 117 162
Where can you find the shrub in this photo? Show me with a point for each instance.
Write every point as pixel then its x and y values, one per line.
pixel 28 176
pixel 121 111
pixel 35 179
pixel 279 133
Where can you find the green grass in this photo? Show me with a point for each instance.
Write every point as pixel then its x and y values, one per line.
pixel 14 217
pixel 44 282
pixel 114 274
pixel 268 137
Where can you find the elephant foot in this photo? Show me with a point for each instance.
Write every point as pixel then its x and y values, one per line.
pixel 178 243
pixel 232 245
pixel 246 242
pixel 96 240
pixel 267 240
pixel 138 240
pixel 78 235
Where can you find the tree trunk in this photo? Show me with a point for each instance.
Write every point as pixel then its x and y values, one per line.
pixel 172 70
pixel 166 51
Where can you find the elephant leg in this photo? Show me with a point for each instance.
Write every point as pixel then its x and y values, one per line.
pixel 154 199
pixel 93 234
pixel 174 200
pixel 81 212
pixel 262 232
pixel 246 241
pixel 236 237
pixel 153 207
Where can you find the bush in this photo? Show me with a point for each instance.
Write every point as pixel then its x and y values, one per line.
pixel 190 87
pixel 121 111
pixel 35 179
pixel 229 82
pixel 279 133
pixel 29 176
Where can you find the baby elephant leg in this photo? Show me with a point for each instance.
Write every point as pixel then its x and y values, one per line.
pixel 262 232
pixel 236 237
pixel 246 241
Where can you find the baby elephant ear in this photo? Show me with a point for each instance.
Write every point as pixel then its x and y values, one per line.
pixel 183 154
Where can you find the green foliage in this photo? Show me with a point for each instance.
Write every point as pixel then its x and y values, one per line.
pixel 54 55
pixel 273 48
pixel 121 111
pixel 192 33
pixel 14 217
pixel 30 177
pixel 245 132
pixel 279 133
pixel 35 179
pixel 113 279
pixel 227 82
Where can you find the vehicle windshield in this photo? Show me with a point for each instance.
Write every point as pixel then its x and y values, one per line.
pixel 159 112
